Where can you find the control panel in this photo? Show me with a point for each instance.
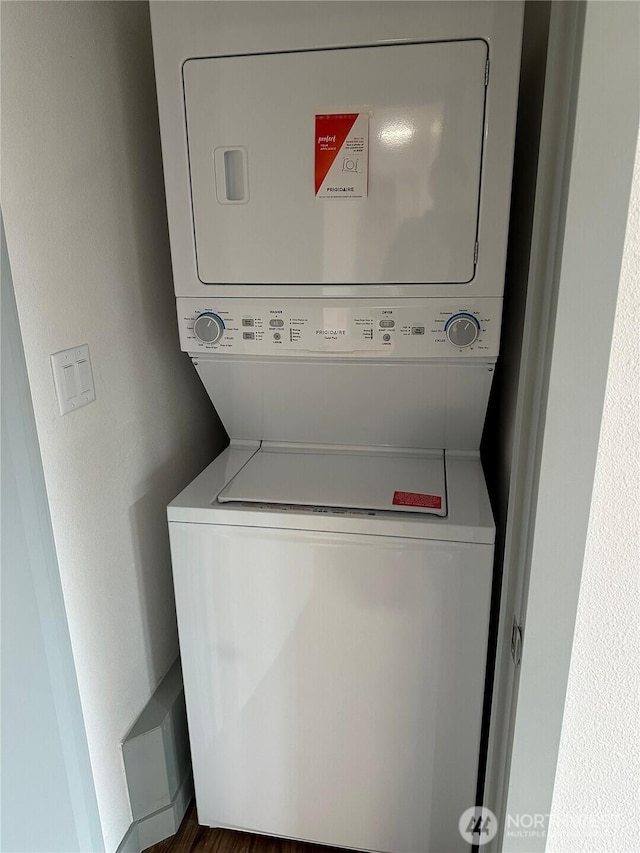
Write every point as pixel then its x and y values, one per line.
pixel 425 328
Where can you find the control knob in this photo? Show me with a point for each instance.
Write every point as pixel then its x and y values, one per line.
pixel 208 327
pixel 462 329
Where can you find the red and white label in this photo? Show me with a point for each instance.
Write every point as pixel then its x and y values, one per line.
pixel 342 155
pixel 417 499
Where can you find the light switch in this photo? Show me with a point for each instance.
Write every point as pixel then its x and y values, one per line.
pixel 73 378
pixel 85 380
pixel 70 384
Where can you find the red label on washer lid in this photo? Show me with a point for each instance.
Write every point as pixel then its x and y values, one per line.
pixel 417 499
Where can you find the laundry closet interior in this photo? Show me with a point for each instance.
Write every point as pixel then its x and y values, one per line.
pixel 350 245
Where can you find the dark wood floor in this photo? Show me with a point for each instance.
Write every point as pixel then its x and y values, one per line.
pixel 192 838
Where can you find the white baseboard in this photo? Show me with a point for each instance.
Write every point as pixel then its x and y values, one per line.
pixel 156 827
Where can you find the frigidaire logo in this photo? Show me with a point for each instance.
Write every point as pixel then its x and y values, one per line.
pixel 333 333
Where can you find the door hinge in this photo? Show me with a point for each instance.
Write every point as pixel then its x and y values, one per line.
pixel 475 254
pixel 516 642
pixel 486 73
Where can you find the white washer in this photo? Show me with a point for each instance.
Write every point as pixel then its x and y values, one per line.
pixel 333 595
pixel 334 659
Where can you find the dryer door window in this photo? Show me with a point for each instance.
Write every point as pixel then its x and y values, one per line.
pixel 251 127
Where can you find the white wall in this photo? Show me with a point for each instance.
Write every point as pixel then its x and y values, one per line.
pixel 53 808
pixel 82 196
pixel 596 798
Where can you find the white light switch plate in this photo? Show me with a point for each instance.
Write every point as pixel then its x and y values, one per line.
pixel 73 378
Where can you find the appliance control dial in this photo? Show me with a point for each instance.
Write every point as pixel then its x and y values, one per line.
pixel 208 327
pixel 462 329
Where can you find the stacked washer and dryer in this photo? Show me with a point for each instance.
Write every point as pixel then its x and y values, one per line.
pixel 338 183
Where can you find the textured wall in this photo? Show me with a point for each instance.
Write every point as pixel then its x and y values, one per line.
pixel 596 801
pixel 82 197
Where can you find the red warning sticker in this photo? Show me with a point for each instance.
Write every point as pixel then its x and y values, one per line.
pixel 341 155
pixel 417 499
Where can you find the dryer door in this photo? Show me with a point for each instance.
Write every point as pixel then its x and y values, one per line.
pixel 282 194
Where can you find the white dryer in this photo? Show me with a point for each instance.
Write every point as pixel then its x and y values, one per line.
pixel 334 644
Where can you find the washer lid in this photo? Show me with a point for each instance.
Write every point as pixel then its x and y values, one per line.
pixel 401 480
